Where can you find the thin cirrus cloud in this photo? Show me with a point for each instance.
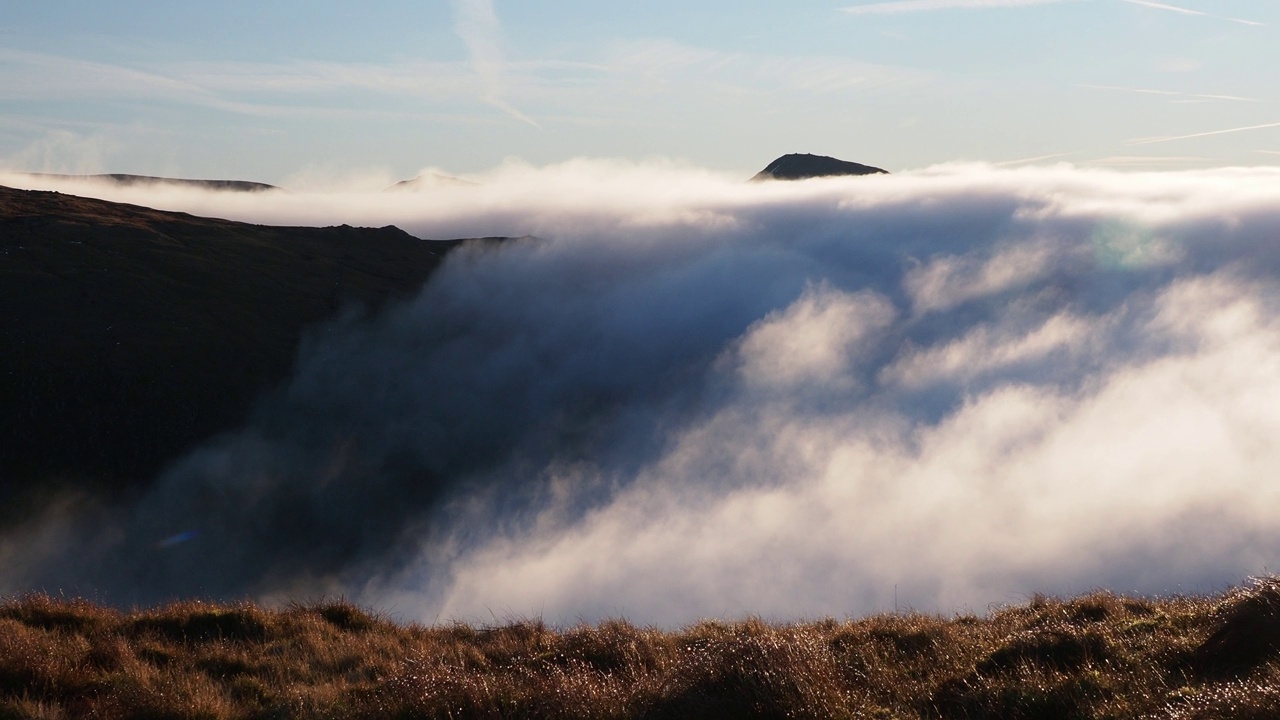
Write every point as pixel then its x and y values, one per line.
pixel 293 89
pixel 1209 133
pixel 1173 95
pixel 39 76
pixel 476 22
pixel 911 6
pixel 617 84
pixel 1188 11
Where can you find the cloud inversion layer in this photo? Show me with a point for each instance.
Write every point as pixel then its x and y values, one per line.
pixel 696 397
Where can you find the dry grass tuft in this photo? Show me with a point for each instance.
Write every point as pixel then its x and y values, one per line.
pixel 1247 633
pixel 1099 655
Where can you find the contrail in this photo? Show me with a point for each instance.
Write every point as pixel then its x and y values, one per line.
pixel 912 6
pixel 909 6
pixel 1038 158
pixel 1140 91
pixel 476 22
pixel 1152 141
pixel 1170 93
pixel 1189 11
pixel 1163 6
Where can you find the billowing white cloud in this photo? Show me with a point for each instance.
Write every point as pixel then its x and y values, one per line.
pixel 946 281
pixel 984 350
pixel 1152 476
pixel 810 343
pixel 693 396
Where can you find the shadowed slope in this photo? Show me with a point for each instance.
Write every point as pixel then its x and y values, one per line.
pixel 127 334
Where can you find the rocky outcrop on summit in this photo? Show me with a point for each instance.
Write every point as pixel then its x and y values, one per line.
pixel 799 166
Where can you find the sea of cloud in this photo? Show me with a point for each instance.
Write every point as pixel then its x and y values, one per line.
pixel 680 395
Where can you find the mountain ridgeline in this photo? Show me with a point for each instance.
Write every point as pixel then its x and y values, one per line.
pixel 130 334
pixel 126 180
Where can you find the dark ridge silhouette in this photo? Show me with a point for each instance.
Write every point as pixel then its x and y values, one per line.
pixel 799 166
pixel 123 179
pixel 127 334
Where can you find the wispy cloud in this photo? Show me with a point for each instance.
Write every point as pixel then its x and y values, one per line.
pixel 1163 6
pixel 1037 158
pixel 1154 140
pixel 897 7
pixel 910 6
pixel 1188 11
pixel 624 83
pixel 262 90
pixel 287 89
pixel 1174 95
pixel 27 76
pixel 1141 91
pixel 1150 161
pixel 65 151
pixel 476 22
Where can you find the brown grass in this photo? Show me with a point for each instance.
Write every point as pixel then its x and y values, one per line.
pixel 1096 656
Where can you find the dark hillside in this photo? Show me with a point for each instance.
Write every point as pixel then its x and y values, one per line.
pixel 124 179
pixel 801 166
pixel 126 333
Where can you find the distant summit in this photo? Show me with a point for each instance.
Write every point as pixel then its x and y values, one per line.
pixel 798 166
pixel 123 179
pixel 430 180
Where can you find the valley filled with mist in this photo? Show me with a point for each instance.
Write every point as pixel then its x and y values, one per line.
pixel 672 395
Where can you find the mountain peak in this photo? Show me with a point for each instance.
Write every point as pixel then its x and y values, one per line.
pixel 431 180
pixel 799 166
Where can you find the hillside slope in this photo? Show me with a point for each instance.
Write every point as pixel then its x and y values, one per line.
pixel 127 333
pixel 1095 656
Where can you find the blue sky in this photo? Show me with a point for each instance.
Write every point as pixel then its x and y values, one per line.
pixel 275 91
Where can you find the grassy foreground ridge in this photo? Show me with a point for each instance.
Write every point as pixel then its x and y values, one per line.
pixel 1095 656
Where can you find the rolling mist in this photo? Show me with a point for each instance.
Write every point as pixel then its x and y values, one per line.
pixel 680 395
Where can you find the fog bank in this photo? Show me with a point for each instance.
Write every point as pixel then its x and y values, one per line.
pixel 688 396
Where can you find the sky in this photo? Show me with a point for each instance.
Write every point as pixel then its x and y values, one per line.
pixel 305 94
pixel 1040 356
